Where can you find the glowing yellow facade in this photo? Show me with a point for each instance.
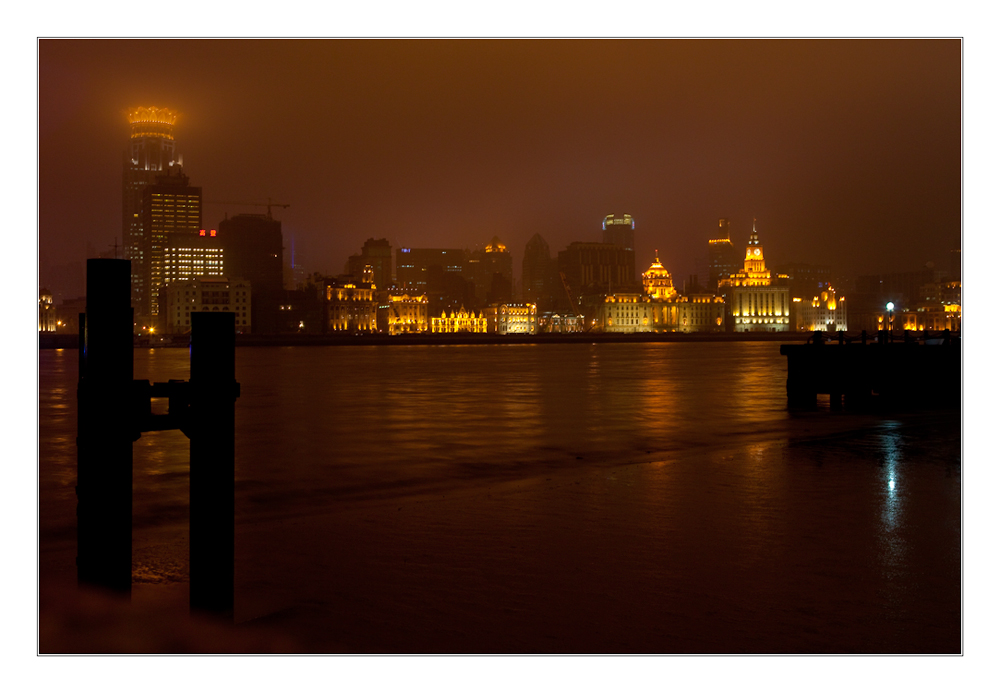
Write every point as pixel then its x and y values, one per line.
pixel 947 316
pixel 625 313
pixel 824 313
pixel 403 314
pixel 351 305
pixel 182 298
pixel 657 282
pixel 756 305
pixel 46 312
pixel 511 318
pixel 462 321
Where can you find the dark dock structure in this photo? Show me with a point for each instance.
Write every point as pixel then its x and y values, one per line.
pixel 881 374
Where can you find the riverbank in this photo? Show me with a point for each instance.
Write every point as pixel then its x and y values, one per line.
pixel 68 341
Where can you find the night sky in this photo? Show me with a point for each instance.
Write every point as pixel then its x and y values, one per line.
pixel 848 152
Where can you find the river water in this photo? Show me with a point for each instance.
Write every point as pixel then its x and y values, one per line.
pixel 545 498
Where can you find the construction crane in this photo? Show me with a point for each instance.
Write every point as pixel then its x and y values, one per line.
pixel 267 204
pixel 572 303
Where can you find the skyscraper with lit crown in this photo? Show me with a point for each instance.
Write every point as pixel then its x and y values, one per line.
pixel 150 153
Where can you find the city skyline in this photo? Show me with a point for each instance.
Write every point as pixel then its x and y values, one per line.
pixel 450 143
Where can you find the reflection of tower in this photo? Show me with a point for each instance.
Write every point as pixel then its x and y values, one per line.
pixel 150 153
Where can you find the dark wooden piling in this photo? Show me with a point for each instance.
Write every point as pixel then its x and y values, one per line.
pixel 105 430
pixel 210 426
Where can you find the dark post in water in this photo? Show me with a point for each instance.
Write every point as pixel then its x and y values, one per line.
pixel 104 430
pixel 210 426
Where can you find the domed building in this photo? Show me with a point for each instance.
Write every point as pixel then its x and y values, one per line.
pixel 657 282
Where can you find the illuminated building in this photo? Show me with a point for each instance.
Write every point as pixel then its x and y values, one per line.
pixel 402 314
pixel 170 214
pixel 188 256
pixel 461 320
pixel 724 258
pixel 657 282
pixel 511 318
pixel 538 274
pixel 252 250
pixel 700 313
pixel 150 153
pixel 46 312
pixel 556 322
pixel 351 305
pixel 941 309
pixel 671 312
pixel 182 298
pixel 624 312
pixel 755 304
pixel 824 312
pixel 378 255
pixel 933 318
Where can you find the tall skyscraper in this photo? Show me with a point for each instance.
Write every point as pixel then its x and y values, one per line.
pixel 150 153
pixel 495 273
pixel 619 231
pixel 378 255
pixel 538 274
pixel 175 246
pixel 252 249
pixel 724 258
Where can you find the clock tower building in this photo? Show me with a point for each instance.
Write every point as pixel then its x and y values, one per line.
pixel 757 305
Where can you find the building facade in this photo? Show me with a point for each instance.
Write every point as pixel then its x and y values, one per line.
pixel 824 312
pixel 755 303
pixel 626 312
pixel 46 311
pixel 511 318
pixel 461 320
pixel 351 305
pixel 561 322
pixel 539 278
pixel 216 294
pixel 402 314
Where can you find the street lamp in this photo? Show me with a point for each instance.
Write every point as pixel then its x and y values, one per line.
pixel 889 307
